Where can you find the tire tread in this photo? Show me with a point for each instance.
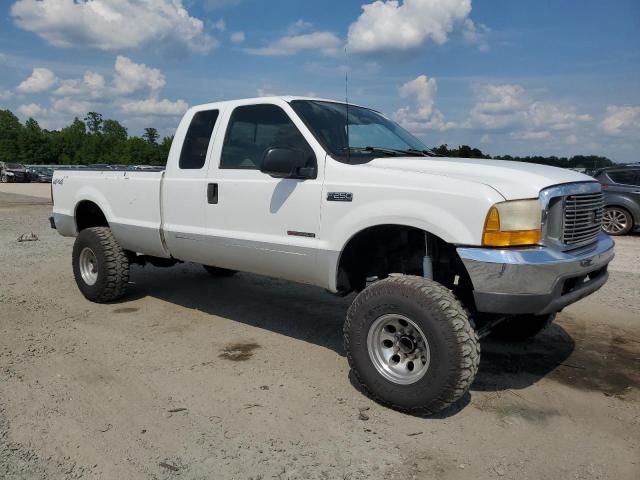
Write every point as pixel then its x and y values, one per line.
pixel 464 339
pixel 116 266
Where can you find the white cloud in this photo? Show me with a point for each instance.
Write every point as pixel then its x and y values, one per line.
pixel 555 117
pixel 220 25
pixel 128 77
pixel 571 139
pixel 131 77
pixel 531 135
pixel 327 42
pixel 476 34
pixel 152 106
pixel 265 91
pixel 92 85
pixel 237 37
pixel 486 138
pixel 71 105
pixel 621 118
pixel 5 95
pixel 395 25
pixel 32 110
pixel 112 24
pixel 41 79
pixel 299 26
pixel 510 107
pixel 215 4
pixel 422 116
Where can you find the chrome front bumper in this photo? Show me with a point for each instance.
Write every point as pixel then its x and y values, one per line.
pixel 536 280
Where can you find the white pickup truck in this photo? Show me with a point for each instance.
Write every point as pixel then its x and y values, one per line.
pixel 440 251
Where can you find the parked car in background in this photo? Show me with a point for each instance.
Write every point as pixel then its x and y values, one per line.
pixel 13 172
pixel 40 174
pixel 621 187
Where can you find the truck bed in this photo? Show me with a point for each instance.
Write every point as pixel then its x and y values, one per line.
pixel 129 199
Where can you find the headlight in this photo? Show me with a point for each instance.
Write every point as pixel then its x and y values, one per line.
pixel 514 223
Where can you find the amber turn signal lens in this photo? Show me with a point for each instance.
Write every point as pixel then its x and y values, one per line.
pixel 493 236
pixel 511 239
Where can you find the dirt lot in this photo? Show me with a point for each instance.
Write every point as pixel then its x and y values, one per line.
pixel 245 378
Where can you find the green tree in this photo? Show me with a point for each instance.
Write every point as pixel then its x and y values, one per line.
pixel 151 135
pixel 112 129
pixel 34 144
pixel 165 147
pixel 94 122
pixel 71 141
pixel 10 130
pixel 114 139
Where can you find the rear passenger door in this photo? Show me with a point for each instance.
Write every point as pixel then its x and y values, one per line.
pixel 184 188
pixel 259 223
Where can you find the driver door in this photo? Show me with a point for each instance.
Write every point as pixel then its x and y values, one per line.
pixel 258 223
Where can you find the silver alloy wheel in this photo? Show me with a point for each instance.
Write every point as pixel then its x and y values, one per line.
pixel 88 266
pixel 398 349
pixel 614 220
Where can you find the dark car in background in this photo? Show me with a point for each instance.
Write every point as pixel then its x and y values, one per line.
pixel 621 187
pixel 13 172
pixel 40 174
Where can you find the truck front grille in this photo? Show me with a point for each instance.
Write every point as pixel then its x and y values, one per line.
pixel 582 218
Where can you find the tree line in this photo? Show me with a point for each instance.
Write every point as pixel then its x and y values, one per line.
pixel 98 140
pixel 84 142
pixel 589 162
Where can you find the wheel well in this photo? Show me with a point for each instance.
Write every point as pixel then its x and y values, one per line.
pixel 88 215
pixel 384 249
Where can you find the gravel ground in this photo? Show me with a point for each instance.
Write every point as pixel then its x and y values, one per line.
pixel 245 378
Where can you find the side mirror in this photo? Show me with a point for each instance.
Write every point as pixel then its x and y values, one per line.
pixel 286 163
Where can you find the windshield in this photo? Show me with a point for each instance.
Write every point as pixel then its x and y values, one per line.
pixel 15 166
pixel 369 134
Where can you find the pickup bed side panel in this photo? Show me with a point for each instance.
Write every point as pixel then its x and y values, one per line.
pixel 130 202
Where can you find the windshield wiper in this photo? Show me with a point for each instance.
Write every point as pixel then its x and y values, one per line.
pixel 412 152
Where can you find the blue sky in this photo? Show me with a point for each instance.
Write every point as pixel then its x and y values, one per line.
pixel 519 77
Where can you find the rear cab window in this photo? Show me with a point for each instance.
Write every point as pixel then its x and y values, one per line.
pixel 196 142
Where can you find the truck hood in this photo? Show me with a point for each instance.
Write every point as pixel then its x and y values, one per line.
pixel 513 180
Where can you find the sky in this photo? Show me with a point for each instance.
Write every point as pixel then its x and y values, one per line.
pixel 526 77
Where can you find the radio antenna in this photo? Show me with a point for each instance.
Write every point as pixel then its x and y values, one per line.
pixel 346 100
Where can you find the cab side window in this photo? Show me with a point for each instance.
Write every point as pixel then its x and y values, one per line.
pixel 196 142
pixel 252 130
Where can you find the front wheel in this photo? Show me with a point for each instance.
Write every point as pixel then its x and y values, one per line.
pixel 4 178
pixel 411 344
pixel 617 221
pixel 100 265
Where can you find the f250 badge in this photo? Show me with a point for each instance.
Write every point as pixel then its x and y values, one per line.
pixel 58 181
pixel 340 197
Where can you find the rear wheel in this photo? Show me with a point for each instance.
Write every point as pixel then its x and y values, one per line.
pixel 100 265
pixel 617 221
pixel 4 178
pixel 518 328
pixel 219 272
pixel 411 344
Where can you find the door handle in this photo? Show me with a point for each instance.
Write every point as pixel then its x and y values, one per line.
pixel 212 193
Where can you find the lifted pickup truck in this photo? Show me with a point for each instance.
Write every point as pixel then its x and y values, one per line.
pixel 440 251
